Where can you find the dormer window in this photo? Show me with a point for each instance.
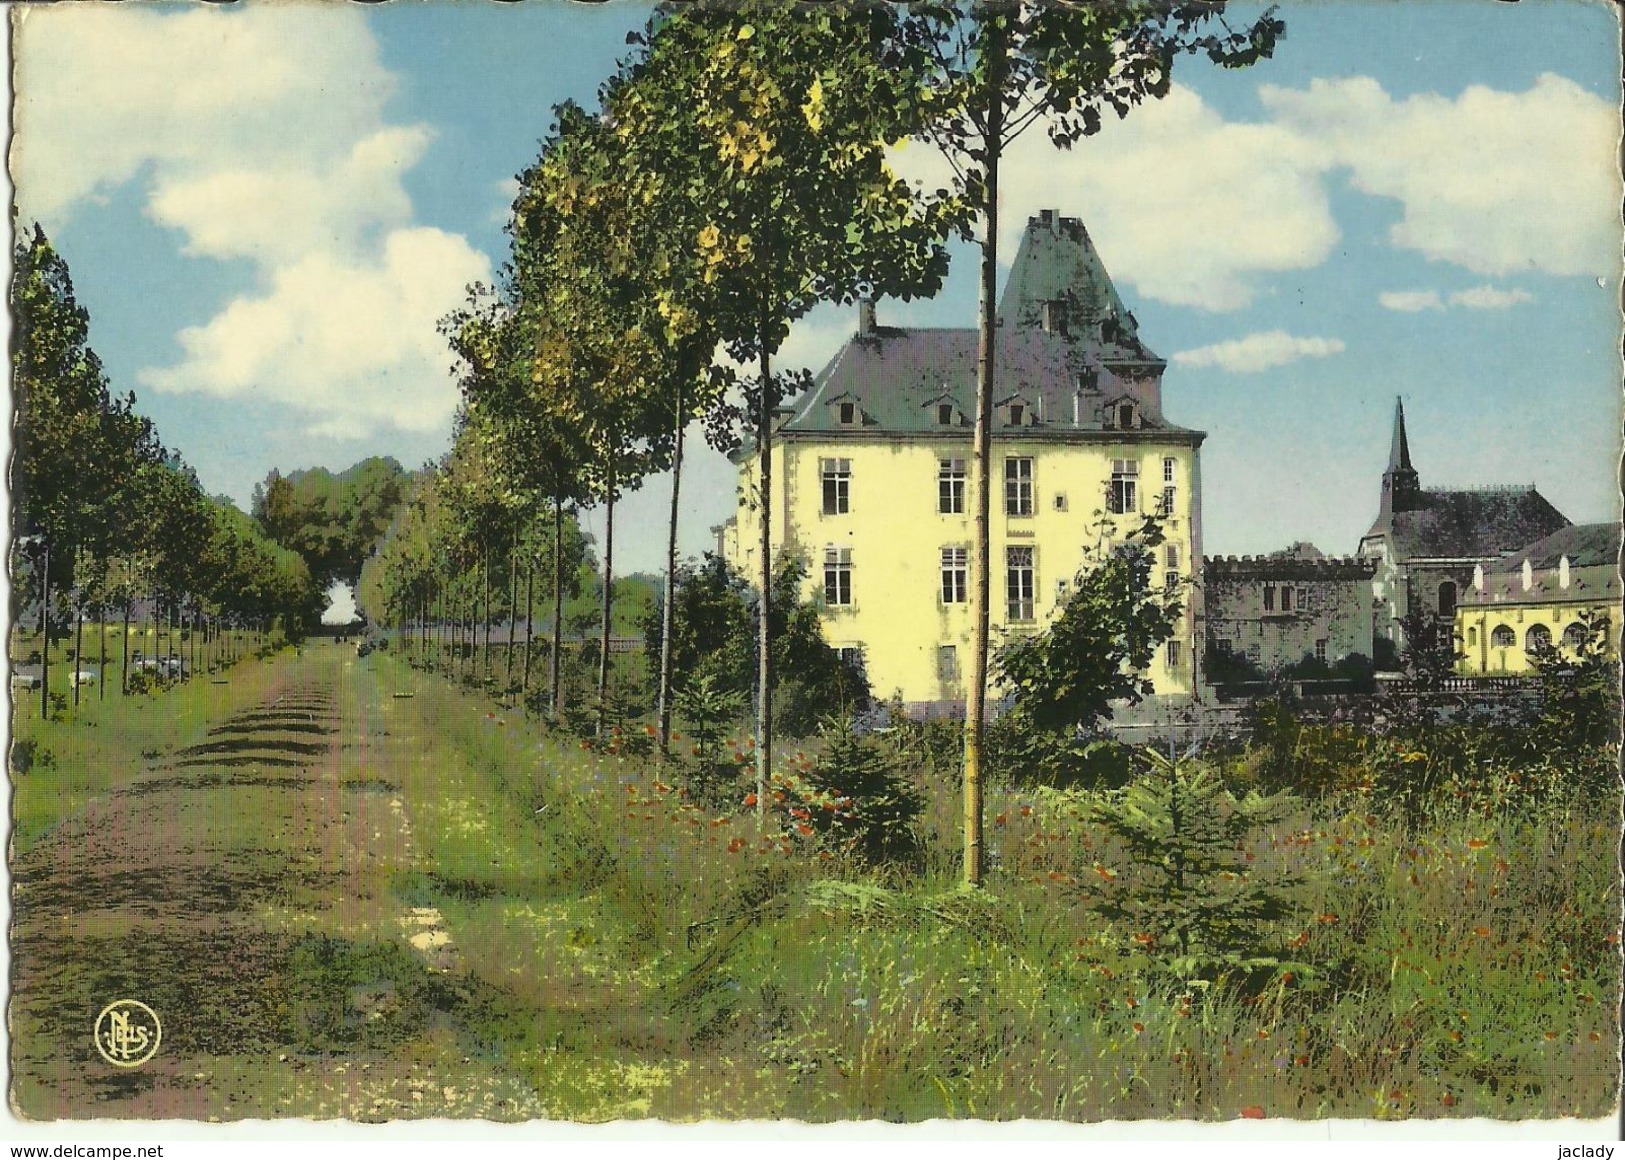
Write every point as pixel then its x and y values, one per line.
pixel 945 414
pixel 1018 414
pixel 848 413
pixel 1125 415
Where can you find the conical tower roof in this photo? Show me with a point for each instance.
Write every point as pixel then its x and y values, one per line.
pixel 1057 263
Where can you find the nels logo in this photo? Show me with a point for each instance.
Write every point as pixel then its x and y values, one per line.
pixel 127 1033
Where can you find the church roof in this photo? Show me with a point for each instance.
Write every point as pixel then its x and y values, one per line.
pixel 1585 545
pixel 1479 523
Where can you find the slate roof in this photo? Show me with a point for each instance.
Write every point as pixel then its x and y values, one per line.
pixel 1071 363
pixel 1586 546
pixel 1473 524
pixel 898 377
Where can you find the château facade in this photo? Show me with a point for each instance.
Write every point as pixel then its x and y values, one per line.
pixel 872 487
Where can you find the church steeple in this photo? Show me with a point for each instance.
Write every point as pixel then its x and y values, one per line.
pixel 1401 486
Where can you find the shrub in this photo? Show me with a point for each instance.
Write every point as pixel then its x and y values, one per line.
pixel 854 799
pixel 1188 889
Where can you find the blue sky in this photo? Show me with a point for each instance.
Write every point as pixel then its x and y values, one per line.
pixel 265 208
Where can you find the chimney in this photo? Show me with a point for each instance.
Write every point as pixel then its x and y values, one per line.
pixel 1046 218
pixel 1077 407
pixel 866 317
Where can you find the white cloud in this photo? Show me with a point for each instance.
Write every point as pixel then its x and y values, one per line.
pixel 360 338
pixel 1184 206
pixel 1496 182
pixel 1258 352
pixel 1411 301
pixel 257 133
pixel 1476 298
pixel 1490 298
pixel 1195 210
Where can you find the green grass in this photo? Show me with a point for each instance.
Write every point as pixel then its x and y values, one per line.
pixel 623 951
pixel 759 978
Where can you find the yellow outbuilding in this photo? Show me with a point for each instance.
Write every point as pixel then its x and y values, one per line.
pixel 870 473
pixel 1540 596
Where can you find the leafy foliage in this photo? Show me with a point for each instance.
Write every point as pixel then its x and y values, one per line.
pixel 332 521
pixel 1097 650
pixel 854 799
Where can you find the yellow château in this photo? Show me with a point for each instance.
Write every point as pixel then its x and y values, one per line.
pixel 872 490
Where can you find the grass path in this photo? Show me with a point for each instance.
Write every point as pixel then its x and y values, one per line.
pixel 242 883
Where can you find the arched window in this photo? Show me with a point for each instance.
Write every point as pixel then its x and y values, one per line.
pixel 1447 598
pixel 1503 636
pixel 1538 637
pixel 1574 636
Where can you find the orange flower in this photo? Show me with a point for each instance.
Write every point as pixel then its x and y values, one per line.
pixel 1594 1037
pixel 1477 844
pixel 1145 938
pixel 1328 920
pixel 750 799
pixel 1263 1033
pixel 804 829
pixel 1252 1112
pixel 1026 811
pixel 1139 1028
pixel 736 845
pixel 1303 937
pixel 1001 819
pixel 1550 1035
pixel 1448 1100
pixel 1482 931
pixel 1301 1060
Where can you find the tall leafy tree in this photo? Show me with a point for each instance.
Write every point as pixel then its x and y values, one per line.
pixel 774 122
pixel 986 74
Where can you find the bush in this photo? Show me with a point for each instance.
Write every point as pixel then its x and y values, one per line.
pixel 1188 890
pixel 1026 756
pixel 854 799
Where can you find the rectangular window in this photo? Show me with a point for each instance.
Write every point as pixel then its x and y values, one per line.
pixel 837 478
pixel 1269 598
pixel 1167 471
pixel 1018 486
pixel 1167 503
pixel 955 576
pixel 1170 580
pixel 945 414
pixel 1320 651
pixel 1170 556
pixel 1174 655
pixel 837 576
pixel 947 662
pixel 1123 495
pixel 852 657
pixel 1018 582
pixel 951 487
pixel 1286 600
pixel 1303 599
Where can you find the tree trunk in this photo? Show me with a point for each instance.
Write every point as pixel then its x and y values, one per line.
pixel 513 609
pixel 981 566
pixel 101 659
pixel 78 646
pixel 485 580
pixel 663 700
pixel 764 655
pixel 124 673
pixel 554 659
pixel 45 634
pixel 530 624
pixel 609 600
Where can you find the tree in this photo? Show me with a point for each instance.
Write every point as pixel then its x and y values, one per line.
pixel 774 121
pixel 985 74
pixel 1096 651
pixel 1187 889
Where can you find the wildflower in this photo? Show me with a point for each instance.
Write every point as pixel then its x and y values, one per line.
pixel 1301 1060
pixel 1145 938
pixel 804 829
pixel 1482 931
pixel 1263 1033
pixel 1001 819
pixel 750 799
pixel 1252 1112
pixel 1327 919
pixel 1594 1037
pixel 1476 844
pixel 1550 1035
pixel 1448 1100
pixel 1026 811
pixel 736 845
pixel 650 730
pixel 1139 1028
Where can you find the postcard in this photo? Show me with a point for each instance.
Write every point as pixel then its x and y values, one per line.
pixel 814 565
